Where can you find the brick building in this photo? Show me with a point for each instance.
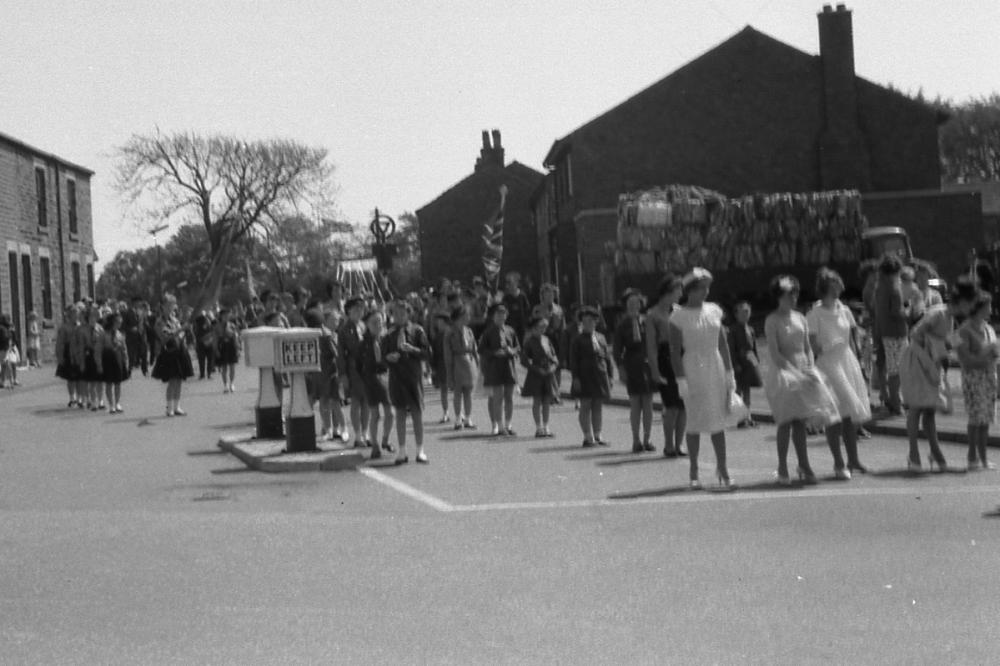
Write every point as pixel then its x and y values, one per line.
pixel 47 229
pixel 751 115
pixel 451 226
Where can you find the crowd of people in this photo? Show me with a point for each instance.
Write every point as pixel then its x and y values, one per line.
pixel 376 358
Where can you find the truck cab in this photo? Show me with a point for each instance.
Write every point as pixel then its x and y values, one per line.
pixel 881 240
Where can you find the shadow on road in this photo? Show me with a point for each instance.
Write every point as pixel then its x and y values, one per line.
pixel 636 460
pixel 903 473
pixel 208 452
pixel 232 470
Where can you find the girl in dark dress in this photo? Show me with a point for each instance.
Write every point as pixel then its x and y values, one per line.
pixel 173 363
pixel 406 348
pixel 499 350
pixel 65 348
pixel 592 370
pixel 115 362
pixel 92 339
pixel 439 368
pixel 375 373
pixel 542 362
pixel 227 349
pixel 633 368
pixel 658 352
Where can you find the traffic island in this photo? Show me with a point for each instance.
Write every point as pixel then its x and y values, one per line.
pixel 269 455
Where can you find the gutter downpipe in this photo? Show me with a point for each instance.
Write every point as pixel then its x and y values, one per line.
pixel 62 250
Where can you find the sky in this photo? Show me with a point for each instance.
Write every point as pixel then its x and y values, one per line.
pixel 398 92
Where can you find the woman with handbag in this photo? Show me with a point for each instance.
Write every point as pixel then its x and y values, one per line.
pixel 832 335
pixel 923 381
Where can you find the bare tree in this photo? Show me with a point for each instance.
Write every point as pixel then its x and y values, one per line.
pixel 235 188
pixel 970 141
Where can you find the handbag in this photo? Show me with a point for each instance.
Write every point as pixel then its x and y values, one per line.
pixel 945 401
pixel 736 409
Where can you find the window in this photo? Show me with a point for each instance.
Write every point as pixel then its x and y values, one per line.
pixel 29 296
pixel 90 280
pixel 46 279
pixel 15 294
pixel 74 269
pixel 43 215
pixel 71 205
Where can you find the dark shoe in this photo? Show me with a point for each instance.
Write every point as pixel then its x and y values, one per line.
pixel 669 453
pixel 857 467
pixel 402 461
pixel 179 412
pixel 681 454
pixel 637 448
pixel 601 442
pixel 422 458
pixel 648 446
pixel 388 448
pixel 588 444
pixel 376 454
pixel 510 432
pixel 358 444
pixel 743 424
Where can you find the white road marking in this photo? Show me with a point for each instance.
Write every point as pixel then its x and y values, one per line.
pixel 692 497
pixel 407 489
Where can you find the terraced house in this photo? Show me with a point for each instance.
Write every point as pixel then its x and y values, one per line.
pixel 47 229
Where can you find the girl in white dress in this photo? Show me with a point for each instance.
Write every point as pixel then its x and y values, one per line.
pixel 794 388
pixel 699 354
pixel 832 332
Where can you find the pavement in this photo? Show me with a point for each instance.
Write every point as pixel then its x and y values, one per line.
pixel 134 539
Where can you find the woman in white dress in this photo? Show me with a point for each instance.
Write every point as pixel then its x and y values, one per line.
pixel 699 354
pixel 832 332
pixel 795 390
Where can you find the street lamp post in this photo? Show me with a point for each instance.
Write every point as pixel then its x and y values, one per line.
pixel 159 268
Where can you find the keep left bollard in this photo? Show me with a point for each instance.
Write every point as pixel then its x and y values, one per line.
pixel 296 352
pixel 260 352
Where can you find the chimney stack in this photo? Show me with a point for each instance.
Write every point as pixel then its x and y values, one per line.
pixel 844 161
pixel 490 155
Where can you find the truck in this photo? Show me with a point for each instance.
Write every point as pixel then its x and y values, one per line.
pixel 746 241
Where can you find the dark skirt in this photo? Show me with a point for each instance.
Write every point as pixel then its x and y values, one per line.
pixel 537 385
pixel 377 389
pixel 406 387
pixel 229 353
pixel 322 387
pixel 115 368
pixel 639 378
pixel 669 393
pixel 594 384
pixel 173 363
pixel 499 372
pixel 90 373
pixel 67 369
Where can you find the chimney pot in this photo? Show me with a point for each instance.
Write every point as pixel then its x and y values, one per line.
pixel 486 139
pixel 496 139
pixel 827 9
pixel 841 7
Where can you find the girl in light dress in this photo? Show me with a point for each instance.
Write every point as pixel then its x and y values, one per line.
pixel 658 352
pixel 977 354
pixel 700 359
pixel 921 381
pixel 633 368
pixel 794 388
pixel 832 335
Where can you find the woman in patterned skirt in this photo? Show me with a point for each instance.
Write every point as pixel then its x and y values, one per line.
pixel 977 353
pixel 173 363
